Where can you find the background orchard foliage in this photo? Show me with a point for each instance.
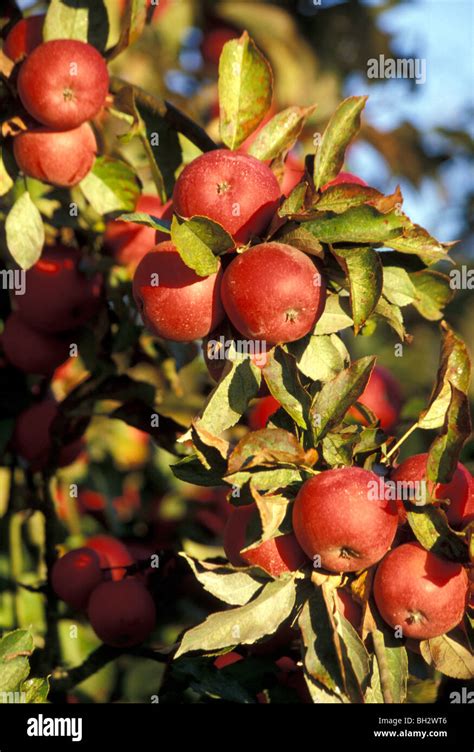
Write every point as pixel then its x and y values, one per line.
pixel 164 446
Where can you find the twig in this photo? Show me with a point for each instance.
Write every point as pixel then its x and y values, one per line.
pixel 52 648
pixel 173 116
pixel 400 442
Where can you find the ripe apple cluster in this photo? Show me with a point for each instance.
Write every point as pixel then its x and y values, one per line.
pixel 95 579
pixel 62 84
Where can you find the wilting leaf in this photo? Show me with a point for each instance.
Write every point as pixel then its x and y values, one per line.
pixel 449 654
pixel 340 131
pixel 245 90
pixel 320 657
pixel 268 446
pixel 133 23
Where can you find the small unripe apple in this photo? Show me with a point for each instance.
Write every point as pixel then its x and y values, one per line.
pixel 344 177
pixel 114 556
pixel 273 293
pixel 58 295
pixel 122 614
pixel 338 516
pixel 32 351
pixel 276 556
pixel 234 189
pixel 459 490
pixel 423 594
pixel 128 241
pixel 32 439
pixel 174 302
pixel 383 397
pixel 63 83
pixel 62 158
pixel 75 575
pixel 24 37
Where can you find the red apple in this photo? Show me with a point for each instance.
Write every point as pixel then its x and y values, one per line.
pixel 75 575
pixel 260 413
pixel 32 351
pixel 276 556
pixel 112 554
pixel 174 302
pixel 32 439
pixel 273 293
pixel 234 189
pixel 344 178
pixel 59 296
pixel 62 158
pixel 213 43
pixel 122 614
pixel 459 490
pixel 340 516
pixel 383 397
pixel 24 37
pixel 419 592
pixel 63 83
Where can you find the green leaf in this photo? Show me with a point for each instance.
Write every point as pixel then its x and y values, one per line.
pixel 336 315
pixel 84 20
pixel 320 657
pixel 191 470
pixel 390 663
pixel 339 198
pixel 353 649
pixel 338 448
pixel 449 654
pixel 163 148
pixel 431 529
pixel 296 235
pixel 398 288
pixel 365 274
pixel 111 186
pixel 336 396
pixel 36 690
pixel 283 380
pixel 199 241
pixel 266 480
pixel 320 357
pixel 391 315
pixel 140 218
pixel 245 90
pixel 280 133
pixel 229 400
pixel 340 131
pixel 361 224
pixel 244 625
pixel 415 239
pixel 15 649
pixel 228 585
pixel 24 232
pixel 432 293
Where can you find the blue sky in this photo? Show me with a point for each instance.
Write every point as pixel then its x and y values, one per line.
pixel 441 32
